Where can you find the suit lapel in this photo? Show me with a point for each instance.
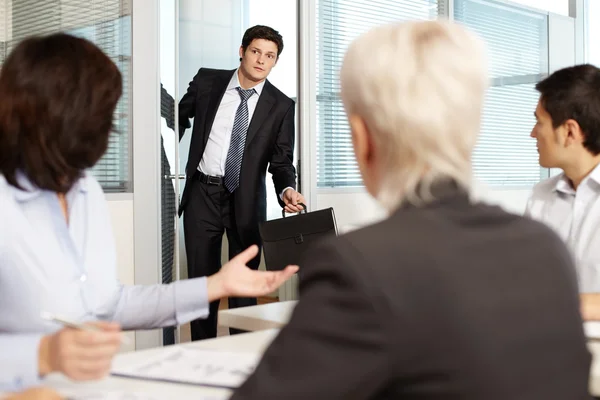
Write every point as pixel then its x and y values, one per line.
pixel 266 101
pixel 216 94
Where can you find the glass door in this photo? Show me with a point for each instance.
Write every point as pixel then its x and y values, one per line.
pixel 196 34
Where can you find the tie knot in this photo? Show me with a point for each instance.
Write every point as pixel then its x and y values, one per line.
pixel 245 94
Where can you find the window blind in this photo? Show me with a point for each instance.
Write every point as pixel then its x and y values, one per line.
pixel 517 45
pixel 107 23
pixel 3 29
pixel 338 22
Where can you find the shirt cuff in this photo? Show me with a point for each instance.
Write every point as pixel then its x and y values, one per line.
pixel 283 191
pixel 19 361
pixel 191 300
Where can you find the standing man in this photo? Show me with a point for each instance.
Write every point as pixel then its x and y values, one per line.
pixel 567 132
pixel 242 123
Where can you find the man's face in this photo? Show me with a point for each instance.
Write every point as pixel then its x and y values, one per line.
pixel 549 140
pixel 258 59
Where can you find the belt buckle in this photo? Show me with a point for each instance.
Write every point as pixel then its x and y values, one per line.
pixel 214 180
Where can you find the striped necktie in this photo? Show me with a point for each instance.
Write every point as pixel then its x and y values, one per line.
pixel 235 154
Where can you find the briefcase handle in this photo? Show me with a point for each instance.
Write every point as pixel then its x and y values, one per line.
pixel 304 208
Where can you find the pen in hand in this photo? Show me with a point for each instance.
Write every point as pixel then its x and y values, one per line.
pixel 75 325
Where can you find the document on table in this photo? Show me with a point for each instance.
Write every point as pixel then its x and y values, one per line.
pixel 121 395
pixel 120 389
pixel 194 366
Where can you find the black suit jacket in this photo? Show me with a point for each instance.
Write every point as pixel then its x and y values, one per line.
pixel 269 141
pixel 449 301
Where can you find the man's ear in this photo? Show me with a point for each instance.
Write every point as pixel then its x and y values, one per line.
pixel 241 52
pixel 574 133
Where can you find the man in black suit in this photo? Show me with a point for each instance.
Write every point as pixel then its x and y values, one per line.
pixel 242 123
pixel 447 298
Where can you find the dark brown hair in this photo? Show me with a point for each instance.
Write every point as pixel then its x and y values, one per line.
pixel 262 32
pixel 574 93
pixel 58 94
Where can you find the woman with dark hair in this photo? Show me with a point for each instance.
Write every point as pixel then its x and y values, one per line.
pixel 57 252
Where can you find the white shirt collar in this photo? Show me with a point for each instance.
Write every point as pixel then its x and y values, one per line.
pixel 564 184
pixel 234 82
pixel 595 174
pixel 31 191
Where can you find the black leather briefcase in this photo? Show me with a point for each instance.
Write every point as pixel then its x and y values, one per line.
pixel 286 239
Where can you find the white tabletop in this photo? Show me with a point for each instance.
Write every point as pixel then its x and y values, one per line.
pixel 255 342
pixel 276 315
pixel 256 318
pixel 592 331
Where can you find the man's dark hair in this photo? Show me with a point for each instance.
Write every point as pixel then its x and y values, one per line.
pixel 262 32
pixel 574 93
pixel 58 95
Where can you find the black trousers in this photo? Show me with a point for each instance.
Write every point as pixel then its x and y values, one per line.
pixel 209 214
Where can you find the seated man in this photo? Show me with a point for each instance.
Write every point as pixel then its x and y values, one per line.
pixel 446 298
pixel 568 137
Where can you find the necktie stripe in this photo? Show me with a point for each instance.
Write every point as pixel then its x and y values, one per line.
pixel 235 154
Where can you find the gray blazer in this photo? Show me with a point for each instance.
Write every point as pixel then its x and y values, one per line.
pixel 453 300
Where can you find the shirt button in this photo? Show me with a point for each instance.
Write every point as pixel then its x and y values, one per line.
pixel 83 278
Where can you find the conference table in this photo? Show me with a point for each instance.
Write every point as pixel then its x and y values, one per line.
pixel 120 388
pixel 256 318
pixel 273 316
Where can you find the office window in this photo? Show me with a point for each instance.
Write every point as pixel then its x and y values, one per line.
pixel 3 29
pixel 560 7
pixel 517 47
pixel 592 31
pixel 107 23
pixel 338 23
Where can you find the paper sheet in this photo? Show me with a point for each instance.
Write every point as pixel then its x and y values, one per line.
pixel 194 366
pixel 122 395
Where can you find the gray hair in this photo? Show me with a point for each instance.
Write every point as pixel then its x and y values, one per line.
pixel 420 88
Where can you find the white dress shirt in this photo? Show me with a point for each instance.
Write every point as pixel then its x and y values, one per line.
pixel 575 216
pixel 70 270
pixel 215 153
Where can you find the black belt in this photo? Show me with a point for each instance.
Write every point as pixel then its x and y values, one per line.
pixel 210 180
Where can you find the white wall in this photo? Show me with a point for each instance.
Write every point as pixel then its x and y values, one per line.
pixel 121 216
pixel 120 208
pixel 593 27
pixel 353 208
pixel 356 208
pixel 512 200
pixel 146 152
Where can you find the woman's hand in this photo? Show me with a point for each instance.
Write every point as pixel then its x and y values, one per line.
pixel 80 354
pixel 235 279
